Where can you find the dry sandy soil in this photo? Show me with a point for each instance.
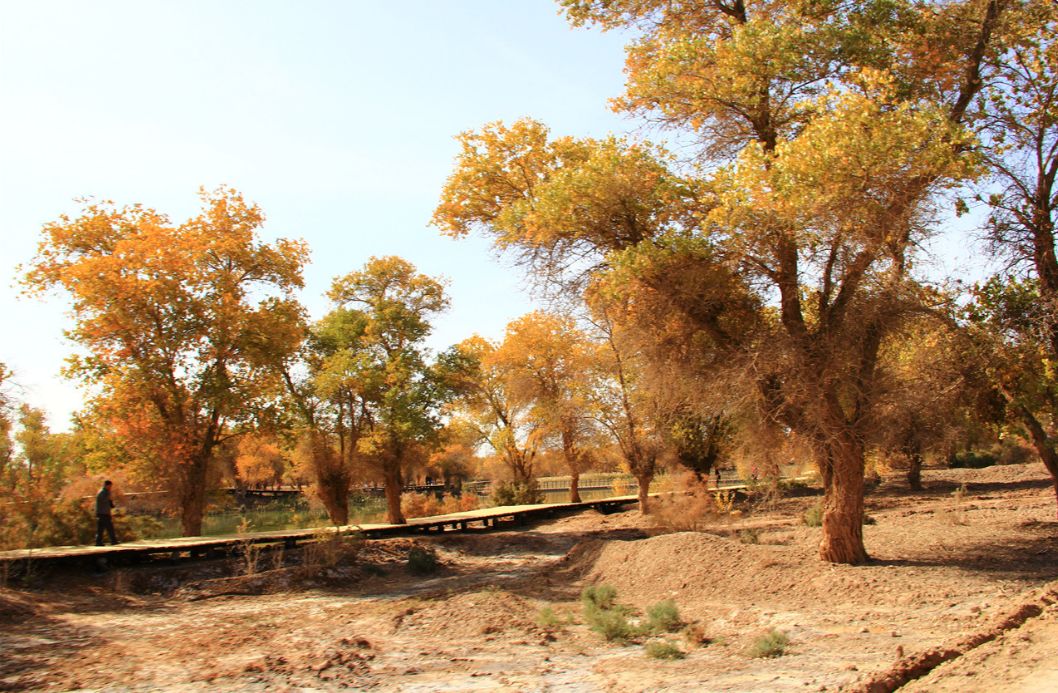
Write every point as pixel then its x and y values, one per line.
pixel 959 593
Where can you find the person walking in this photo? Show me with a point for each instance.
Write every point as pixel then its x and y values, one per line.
pixel 104 520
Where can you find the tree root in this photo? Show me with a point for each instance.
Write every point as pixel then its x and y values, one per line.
pixel 918 665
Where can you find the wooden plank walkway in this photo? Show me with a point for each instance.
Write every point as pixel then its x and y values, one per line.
pixel 221 545
pixel 197 547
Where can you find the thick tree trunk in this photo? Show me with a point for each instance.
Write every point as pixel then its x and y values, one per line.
pixel 394 487
pixel 192 508
pixel 332 478
pixel 842 540
pixel 644 492
pixel 192 493
pixel 333 491
pixel 574 486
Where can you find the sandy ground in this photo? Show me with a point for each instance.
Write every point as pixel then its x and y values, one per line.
pixel 947 564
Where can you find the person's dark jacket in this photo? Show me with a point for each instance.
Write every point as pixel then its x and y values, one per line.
pixel 103 501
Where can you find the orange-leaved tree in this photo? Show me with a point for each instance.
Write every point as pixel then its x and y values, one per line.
pixel 180 324
pixel 486 408
pixel 551 370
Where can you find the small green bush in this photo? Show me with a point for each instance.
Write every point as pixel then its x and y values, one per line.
pixel 611 624
pixel 599 596
pixel 423 560
pixel 770 644
pixel 971 459
pixel 516 493
pixel 663 617
pixel 547 618
pixel 664 650
pixel 813 517
pixel 605 616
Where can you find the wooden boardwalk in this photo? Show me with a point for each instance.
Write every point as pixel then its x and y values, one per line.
pixel 233 544
pixel 216 546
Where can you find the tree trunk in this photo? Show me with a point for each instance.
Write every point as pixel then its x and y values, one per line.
pixel 1041 442
pixel 914 471
pixel 192 508
pixel 192 494
pixel 644 492
pixel 394 488
pixel 332 478
pixel 569 452
pixel 842 540
pixel 574 486
pixel 333 491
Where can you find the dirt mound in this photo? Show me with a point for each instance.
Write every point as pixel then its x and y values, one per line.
pixel 997 473
pixel 595 521
pixel 471 615
pixel 698 564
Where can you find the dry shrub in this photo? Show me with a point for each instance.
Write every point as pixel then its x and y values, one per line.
pixel 688 511
pixel 770 644
pixel 419 505
pixel 329 549
pixel 467 501
pixel 423 560
pixel 696 634
pixel 249 552
pixel 428 504
pixel 660 649
pixel 956 512
pixel 279 558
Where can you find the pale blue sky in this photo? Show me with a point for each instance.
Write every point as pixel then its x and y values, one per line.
pixel 336 117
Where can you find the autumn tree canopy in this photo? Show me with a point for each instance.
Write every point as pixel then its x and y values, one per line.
pixel 488 408
pixel 399 391
pixel 180 324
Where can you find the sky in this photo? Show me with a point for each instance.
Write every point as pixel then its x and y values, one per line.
pixel 336 117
